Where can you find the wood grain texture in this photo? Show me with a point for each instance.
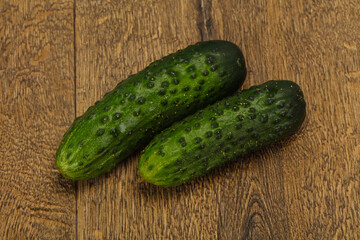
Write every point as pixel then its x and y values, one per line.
pixel 36 107
pixel 307 187
pixel 113 41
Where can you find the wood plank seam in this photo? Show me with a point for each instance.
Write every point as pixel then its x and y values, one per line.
pixel 75 114
pixel 205 23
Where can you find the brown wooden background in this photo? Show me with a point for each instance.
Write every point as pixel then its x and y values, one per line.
pixel 59 57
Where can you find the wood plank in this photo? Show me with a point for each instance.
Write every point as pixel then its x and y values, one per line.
pixel 115 39
pixel 308 186
pixel 322 175
pixel 36 107
pixel 251 191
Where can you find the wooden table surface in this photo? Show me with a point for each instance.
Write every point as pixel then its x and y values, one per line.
pixel 58 57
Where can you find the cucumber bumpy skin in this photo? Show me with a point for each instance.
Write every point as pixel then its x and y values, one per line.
pixel 127 117
pixel 222 132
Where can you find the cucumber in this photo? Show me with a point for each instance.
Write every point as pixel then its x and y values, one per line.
pixel 144 104
pixel 222 132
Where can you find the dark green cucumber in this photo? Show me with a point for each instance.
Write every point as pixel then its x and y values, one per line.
pixel 230 128
pixel 127 118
